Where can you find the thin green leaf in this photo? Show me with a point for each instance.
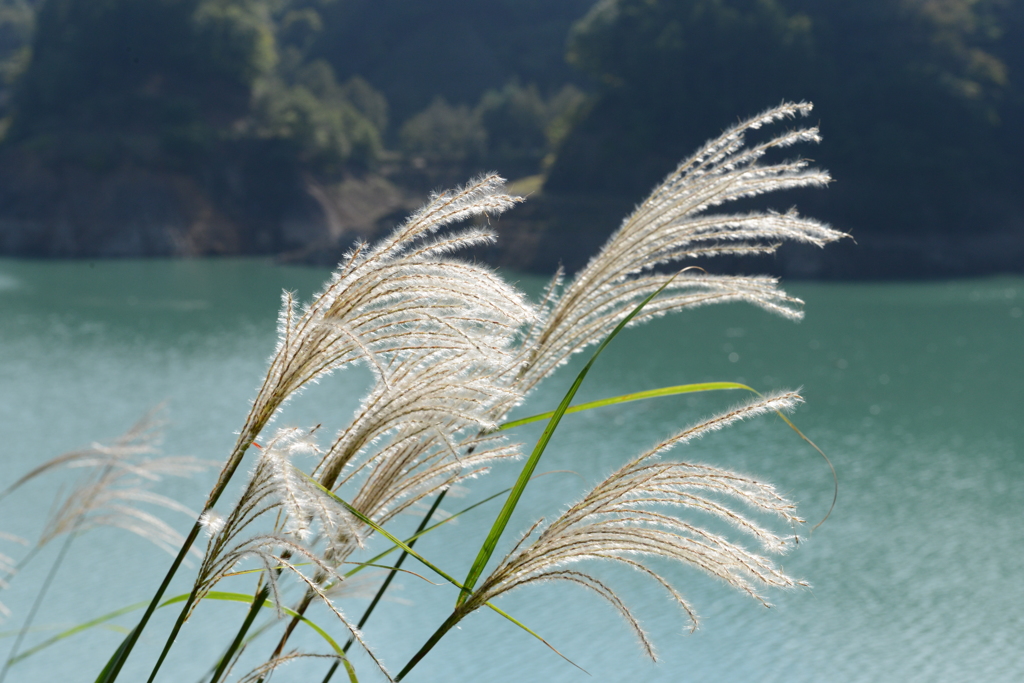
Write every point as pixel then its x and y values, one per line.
pixel 116 662
pixel 835 477
pixel 77 629
pixel 213 595
pixel 626 398
pixel 248 598
pixel 532 633
pixel 383 588
pixel 491 542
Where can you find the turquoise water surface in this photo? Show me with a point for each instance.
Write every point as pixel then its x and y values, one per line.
pixel 914 390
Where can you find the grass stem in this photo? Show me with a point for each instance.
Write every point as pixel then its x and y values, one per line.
pixel 47 582
pixel 398 565
pixel 254 609
pixel 448 625
pixel 113 668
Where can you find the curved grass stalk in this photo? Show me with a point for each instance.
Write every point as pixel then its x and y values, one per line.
pixel 410 541
pixel 387 581
pixel 491 542
pixel 619 520
pixel 107 496
pixel 178 599
pixel 260 673
pixel 627 398
pixel 372 562
pixel 30 617
pixel 398 565
pixel 216 595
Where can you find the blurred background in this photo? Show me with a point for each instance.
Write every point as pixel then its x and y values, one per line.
pixel 270 134
pixel 291 127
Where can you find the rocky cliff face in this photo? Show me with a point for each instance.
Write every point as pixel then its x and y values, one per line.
pixel 75 212
pixel 68 211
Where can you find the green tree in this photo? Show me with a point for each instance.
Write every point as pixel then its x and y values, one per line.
pixel 444 134
pixel 174 81
pixel 138 77
pixel 669 72
pixel 924 113
pixel 414 51
pixel 524 128
pixel 17 21
pixel 326 124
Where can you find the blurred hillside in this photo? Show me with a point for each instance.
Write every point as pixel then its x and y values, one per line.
pixel 289 127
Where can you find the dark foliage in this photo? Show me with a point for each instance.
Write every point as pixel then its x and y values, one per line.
pixel 922 99
pixel 414 51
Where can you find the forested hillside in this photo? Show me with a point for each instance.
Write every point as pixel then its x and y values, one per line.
pixel 271 126
pixel 920 102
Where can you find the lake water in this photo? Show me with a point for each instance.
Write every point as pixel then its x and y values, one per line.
pixel 914 390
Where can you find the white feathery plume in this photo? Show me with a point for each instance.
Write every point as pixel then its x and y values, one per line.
pixel 420 429
pixel 433 389
pixel 8 567
pixel 630 516
pixel 118 480
pixel 391 300
pixel 672 225
pixel 274 485
pixel 437 335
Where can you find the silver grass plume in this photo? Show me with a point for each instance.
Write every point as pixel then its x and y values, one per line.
pixel 395 299
pixel 417 433
pixel 118 479
pixel 632 515
pixel 438 336
pixel 439 342
pixel 420 453
pixel 436 333
pixel 274 486
pixel 673 225
pixel 420 429
pixel 304 513
pixel 8 567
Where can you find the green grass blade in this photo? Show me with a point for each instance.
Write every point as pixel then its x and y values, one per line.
pixel 532 633
pixel 213 595
pixel 248 598
pixel 397 568
pixel 835 477
pixel 491 542
pixel 626 398
pixel 120 656
pixel 53 640
pixel 254 609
